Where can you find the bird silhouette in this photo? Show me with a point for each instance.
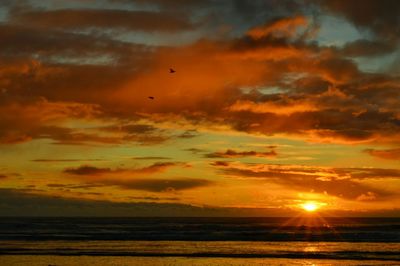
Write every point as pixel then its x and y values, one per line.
pixel 171 71
pixel 151 97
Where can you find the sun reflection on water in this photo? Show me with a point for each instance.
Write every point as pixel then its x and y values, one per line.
pixel 311 249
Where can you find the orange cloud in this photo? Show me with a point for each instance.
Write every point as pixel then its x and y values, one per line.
pixel 392 154
pixel 348 183
pixel 273 107
pixel 284 27
pixel 319 93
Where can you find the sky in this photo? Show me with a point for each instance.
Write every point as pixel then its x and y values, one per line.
pixel 272 104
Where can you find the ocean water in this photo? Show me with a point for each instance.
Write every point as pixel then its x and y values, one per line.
pixel 199 241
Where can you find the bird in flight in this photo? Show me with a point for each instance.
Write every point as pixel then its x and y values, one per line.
pixel 171 71
pixel 151 97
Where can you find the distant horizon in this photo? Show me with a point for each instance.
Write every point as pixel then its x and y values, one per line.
pixel 223 217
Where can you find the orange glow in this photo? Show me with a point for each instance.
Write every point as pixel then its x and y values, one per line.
pixel 262 115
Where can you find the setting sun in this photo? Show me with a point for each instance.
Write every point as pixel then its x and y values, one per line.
pixel 310 206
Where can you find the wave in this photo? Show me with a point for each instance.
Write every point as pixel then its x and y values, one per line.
pixel 355 255
pixel 199 229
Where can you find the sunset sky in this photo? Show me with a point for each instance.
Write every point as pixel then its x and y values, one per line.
pixel 273 104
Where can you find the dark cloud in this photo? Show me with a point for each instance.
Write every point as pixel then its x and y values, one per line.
pixel 220 163
pixel 161 185
pixel 57 185
pixel 53 46
pixel 21 203
pixel 140 133
pixel 16 203
pixel 236 154
pixel 151 158
pixel 372 173
pixel 188 134
pixel 132 129
pixel 68 136
pixel 68 19
pixel 87 170
pixel 85 186
pixel 195 150
pixel 155 198
pixel 171 4
pixel 391 154
pixel 133 178
pixel 381 17
pixel 3 176
pixel 74 187
pixel 364 47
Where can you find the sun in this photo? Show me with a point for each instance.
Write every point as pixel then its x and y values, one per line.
pixel 310 206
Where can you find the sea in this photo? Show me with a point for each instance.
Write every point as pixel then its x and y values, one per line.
pixel 199 241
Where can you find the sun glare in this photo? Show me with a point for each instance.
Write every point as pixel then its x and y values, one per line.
pixel 310 206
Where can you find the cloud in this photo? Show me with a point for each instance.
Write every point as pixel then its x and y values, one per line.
pixel 85 186
pixel 372 173
pixel 195 150
pixel 87 170
pixel 155 198
pixel 143 184
pixel 132 128
pixel 345 183
pixel 138 178
pixel 236 154
pixel 286 27
pixel 380 17
pixel 21 203
pixel 42 119
pixel 367 196
pixel 171 4
pixel 152 158
pixel 161 185
pixel 68 19
pixel 188 134
pixel 22 122
pixel 220 163
pixel 48 46
pixel 391 154
pixel 363 47
pixel 141 133
pixel 3 176
pixel 64 160
pixel 339 112
pixel 288 108
pixel 321 94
